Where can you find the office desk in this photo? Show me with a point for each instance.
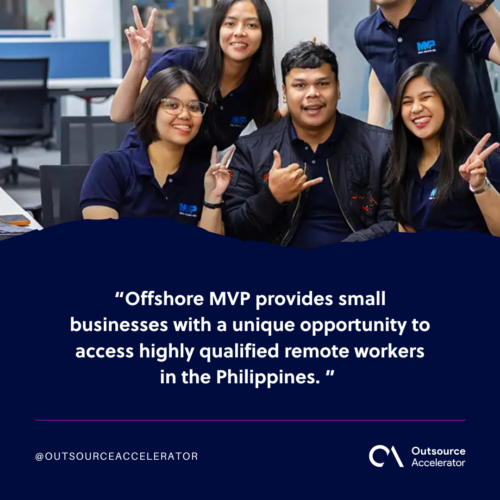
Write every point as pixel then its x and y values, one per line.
pixel 86 88
pixel 9 207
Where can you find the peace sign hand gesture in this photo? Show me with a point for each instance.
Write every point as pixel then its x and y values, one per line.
pixel 473 170
pixel 140 39
pixel 217 177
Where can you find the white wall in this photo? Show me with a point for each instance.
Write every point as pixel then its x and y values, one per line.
pixel 295 21
pixel 331 22
pixel 37 11
pixel 93 20
pixel 353 69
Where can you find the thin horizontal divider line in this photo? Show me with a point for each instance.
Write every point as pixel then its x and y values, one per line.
pixel 254 420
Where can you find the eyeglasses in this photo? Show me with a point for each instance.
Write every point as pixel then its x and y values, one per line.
pixel 174 106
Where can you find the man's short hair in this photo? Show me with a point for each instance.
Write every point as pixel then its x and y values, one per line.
pixel 308 55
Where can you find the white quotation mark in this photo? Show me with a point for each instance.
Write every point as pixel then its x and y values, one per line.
pixel 39 457
pixel 119 295
pixel 329 373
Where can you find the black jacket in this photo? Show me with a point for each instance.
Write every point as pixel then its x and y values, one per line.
pixel 356 173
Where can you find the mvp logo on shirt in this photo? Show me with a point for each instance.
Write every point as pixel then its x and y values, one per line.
pixel 239 121
pixel 426 47
pixel 188 210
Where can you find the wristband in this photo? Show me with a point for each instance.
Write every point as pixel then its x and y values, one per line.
pixel 213 206
pixel 481 8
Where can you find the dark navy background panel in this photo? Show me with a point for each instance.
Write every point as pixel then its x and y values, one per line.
pixel 445 400
pixel 68 59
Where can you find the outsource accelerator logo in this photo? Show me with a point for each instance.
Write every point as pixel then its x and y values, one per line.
pixel 427 457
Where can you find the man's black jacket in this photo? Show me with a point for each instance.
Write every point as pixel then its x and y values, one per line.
pixel 355 172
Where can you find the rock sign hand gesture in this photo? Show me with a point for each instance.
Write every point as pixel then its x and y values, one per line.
pixel 287 183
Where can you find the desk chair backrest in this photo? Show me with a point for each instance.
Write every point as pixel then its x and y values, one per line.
pixel 61 186
pixel 24 97
pixel 83 138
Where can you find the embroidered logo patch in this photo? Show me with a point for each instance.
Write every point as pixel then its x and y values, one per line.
pixel 239 121
pixel 426 47
pixel 188 210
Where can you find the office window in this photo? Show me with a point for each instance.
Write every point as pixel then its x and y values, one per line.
pixel 27 15
pixel 178 22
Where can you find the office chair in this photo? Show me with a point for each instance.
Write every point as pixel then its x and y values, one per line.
pixel 83 138
pixel 60 188
pixel 25 110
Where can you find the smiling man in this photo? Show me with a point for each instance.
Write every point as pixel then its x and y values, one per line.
pixel 316 176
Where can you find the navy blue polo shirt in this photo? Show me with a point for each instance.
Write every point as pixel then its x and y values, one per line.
pixel 446 32
pixel 231 114
pixel 322 222
pixel 124 181
pixel 461 213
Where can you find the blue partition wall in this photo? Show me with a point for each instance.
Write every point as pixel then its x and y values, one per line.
pixel 68 59
pixel 25 35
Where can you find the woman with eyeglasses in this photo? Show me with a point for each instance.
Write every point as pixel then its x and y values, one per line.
pixel 441 178
pixel 159 179
pixel 236 70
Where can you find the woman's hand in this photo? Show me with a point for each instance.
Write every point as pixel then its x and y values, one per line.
pixel 217 177
pixel 140 39
pixel 473 170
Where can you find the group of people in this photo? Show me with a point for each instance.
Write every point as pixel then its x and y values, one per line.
pixel 310 175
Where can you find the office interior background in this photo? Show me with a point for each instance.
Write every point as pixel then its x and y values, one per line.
pixel 25 24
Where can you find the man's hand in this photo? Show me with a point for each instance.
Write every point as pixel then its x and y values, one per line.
pixel 140 39
pixel 287 183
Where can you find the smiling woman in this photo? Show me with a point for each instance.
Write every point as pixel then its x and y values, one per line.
pixel 440 176
pixel 240 53
pixel 158 179
pixel 236 70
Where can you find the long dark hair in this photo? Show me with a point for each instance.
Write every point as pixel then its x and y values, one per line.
pixel 261 76
pixel 160 86
pixel 455 139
